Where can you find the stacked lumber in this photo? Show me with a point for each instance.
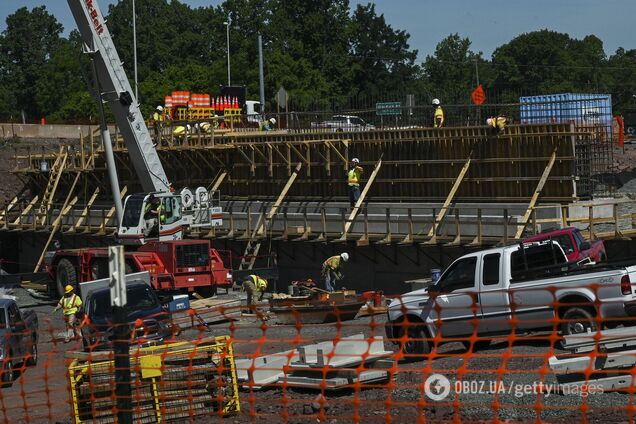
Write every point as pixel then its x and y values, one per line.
pixel 208 311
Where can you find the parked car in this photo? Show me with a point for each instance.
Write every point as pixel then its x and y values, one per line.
pixel 575 246
pixel 143 304
pixel 511 288
pixel 343 123
pixel 19 338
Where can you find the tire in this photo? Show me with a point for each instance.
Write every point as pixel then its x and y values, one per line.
pixel 7 371
pixel 416 346
pixel 207 291
pixel 577 320
pixel 65 274
pixel 32 360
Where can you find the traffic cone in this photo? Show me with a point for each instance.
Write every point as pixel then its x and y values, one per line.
pixel 218 104
pixel 235 103
pixel 212 103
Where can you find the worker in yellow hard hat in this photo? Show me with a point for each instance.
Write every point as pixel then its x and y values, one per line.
pixel 254 286
pixel 71 305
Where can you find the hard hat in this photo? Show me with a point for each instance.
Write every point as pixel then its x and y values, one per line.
pixel 355 160
pixel 160 108
pixel 188 127
pixel 68 289
pixel 273 121
pixel 344 256
pixel 489 121
pixel 436 102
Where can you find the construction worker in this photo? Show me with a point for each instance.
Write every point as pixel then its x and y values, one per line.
pixel 158 119
pixel 70 304
pixel 353 181
pixel 153 213
pixel 497 123
pixel 253 286
pixel 331 270
pixel 438 115
pixel 268 124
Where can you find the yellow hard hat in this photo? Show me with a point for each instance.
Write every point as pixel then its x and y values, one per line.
pixel 68 289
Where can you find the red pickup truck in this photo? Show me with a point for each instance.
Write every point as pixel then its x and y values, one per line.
pixel 574 245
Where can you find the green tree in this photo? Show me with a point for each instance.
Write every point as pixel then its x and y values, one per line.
pixel 28 43
pixel 381 56
pixel 620 79
pixel 450 71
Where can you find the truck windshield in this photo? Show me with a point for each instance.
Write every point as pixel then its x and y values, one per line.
pixel 139 298
pixel 132 211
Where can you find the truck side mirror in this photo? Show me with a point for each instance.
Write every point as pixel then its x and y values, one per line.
pixel 585 245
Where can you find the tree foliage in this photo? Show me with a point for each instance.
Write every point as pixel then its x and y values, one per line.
pixel 323 52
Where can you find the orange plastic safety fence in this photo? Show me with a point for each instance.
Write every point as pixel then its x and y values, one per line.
pixel 458 356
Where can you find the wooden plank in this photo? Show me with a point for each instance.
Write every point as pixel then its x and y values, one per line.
pixel 535 195
pixel 451 195
pixel 84 214
pixel 6 210
pixel 356 208
pixel 26 210
pixel 111 212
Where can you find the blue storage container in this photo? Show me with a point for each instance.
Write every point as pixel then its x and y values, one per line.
pixel 581 109
pixel 179 303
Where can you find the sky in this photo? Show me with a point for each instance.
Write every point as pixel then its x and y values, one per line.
pixel 487 23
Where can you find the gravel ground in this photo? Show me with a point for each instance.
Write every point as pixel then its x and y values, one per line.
pixel 41 394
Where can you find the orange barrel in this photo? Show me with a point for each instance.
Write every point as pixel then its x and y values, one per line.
pixel 205 100
pixel 168 101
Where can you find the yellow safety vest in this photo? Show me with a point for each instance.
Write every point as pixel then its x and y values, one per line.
pixel 70 305
pixel 259 283
pixel 499 122
pixel 158 117
pixel 353 176
pixel 332 263
pixel 439 113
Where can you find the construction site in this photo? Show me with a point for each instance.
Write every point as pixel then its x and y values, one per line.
pixel 217 263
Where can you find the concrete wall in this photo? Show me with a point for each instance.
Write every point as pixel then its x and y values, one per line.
pixel 46 131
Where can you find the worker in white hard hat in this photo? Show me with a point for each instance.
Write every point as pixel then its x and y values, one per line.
pixel 268 124
pixel 497 123
pixel 354 174
pixel 438 115
pixel 332 270
pixel 158 120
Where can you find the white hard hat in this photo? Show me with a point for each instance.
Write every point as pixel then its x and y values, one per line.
pixel 355 160
pixel 344 256
pixel 188 127
pixel 435 101
pixel 160 108
pixel 272 120
pixel 489 121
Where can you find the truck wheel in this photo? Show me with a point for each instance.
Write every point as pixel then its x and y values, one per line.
pixel 64 275
pixel 416 345
pixel 577 320
pixel 7 371
pixel 33 358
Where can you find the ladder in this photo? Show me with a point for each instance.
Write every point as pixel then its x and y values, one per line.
pixel 51 187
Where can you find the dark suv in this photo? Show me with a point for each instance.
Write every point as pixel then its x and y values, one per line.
pixel 149 323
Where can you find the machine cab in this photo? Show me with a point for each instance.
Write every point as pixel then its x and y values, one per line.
pixel 152 217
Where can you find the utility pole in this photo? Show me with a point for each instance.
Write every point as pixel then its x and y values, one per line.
pixel 134 22
pixel 227 27
pixel 261 74
pixel 118 301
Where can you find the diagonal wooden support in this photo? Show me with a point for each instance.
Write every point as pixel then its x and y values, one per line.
pixel 535 196
pixel 110 213
pixel 25 212
pixel 218 181
pixel 55 173
pixel 56 226
pixel 5 211
pixel 84 214
pixel 451 195
pixel 261 227
pixel 356 208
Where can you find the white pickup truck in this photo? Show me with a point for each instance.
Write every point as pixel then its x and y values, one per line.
pixel 518 288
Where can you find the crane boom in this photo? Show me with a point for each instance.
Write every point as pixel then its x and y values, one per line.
pixel 117 92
